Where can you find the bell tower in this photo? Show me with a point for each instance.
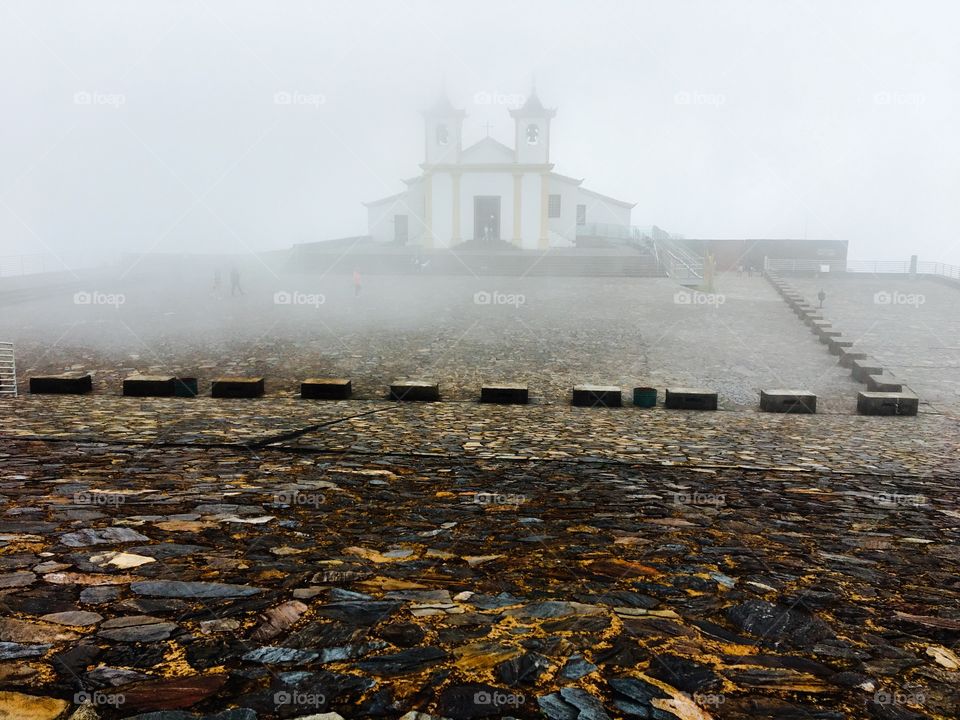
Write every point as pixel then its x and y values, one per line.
pixel 443 124
pixel 532 131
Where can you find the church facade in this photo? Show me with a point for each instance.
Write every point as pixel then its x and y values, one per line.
pixel 489 192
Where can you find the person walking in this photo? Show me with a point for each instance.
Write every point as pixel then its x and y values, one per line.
pixel 356 282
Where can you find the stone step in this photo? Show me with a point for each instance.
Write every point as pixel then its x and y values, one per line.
pixel 848 355
pixel 690 399
pixel 237 387
pixel 887 403
pixel 326 389
pixel 505 394
pixel 788 401
pixel 149 386
pixel 597 396
pixel 834 344
pixel 415 390
pixel 67 384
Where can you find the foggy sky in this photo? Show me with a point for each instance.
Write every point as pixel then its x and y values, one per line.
pixel 153 125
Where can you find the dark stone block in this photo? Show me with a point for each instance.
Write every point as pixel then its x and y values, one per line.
pixel 690 399
pixel 237 387
pixel 185 387
pixel 834 344
pixel 597 396
pixel 887 403
pixel 883 383
pixel 149 386
pixel 415 390
pixel 848 356
pixel 68 384
pixel 788 401
pixel 505 393
pixel 326 389
pixel 861 367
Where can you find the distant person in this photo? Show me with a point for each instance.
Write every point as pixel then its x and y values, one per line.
pixel 235 282
pixel 356 283
pixel 821 296
pixel 740 270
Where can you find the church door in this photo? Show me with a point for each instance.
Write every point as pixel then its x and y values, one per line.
pixel 486 217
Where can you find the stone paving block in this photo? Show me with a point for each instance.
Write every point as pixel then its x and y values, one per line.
pixel 149 386
pixel 690 399
pixel 884 383
pixel 505 394
pixel 861 367
pixel 788 401
pixel 597 396
pixel 415 390
pixel 326 389
pixel 67 384
pixel 237 387
pixel 887 403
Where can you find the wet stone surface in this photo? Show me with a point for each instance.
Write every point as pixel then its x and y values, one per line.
pixel 284 582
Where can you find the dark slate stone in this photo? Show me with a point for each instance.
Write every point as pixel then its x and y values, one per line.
pixel 577 667
pixel 777 624
pixel 522 670
pixel 404 662
pixel 683 674
pixel 359 612
pixel 402 634
pixel 476 700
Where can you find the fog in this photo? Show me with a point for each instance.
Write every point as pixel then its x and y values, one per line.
pixel 154 127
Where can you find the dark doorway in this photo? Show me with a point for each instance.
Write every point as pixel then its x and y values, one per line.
pixel 486 217
pixel 401 229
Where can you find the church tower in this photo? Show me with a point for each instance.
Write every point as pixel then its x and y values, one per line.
pixel 444 132
pixel 532 132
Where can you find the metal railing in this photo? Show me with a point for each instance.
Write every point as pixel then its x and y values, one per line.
pixel 677 262
pixel 8 370
pixel 36 263
pixel 875 267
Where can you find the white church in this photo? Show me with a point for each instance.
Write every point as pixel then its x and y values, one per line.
pixel 490 193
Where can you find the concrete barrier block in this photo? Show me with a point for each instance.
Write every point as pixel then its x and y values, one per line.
pixel 884 383
pixel 597 396
pixel 237 387
pixel 861 367
pixel 415 390
pixel 848 355
pixel 186 387
pixel 887 403
pixel 690 399
pixel 505 394
pixel 788 401
pixel 326 389
pixel 66 384
pixel 149 386
pixel 835 344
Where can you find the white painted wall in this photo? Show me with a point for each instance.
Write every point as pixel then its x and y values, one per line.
pixel 563 230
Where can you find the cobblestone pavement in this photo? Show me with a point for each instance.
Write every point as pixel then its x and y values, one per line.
pixel 294 558
pixel 551 333
pixel 911 326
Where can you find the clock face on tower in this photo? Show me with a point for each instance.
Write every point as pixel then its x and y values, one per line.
pixel 533 134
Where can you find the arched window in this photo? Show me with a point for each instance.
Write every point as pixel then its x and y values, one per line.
pixel 533 134
pixel 443 135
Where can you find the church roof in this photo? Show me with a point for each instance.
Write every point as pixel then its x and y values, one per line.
pixel 487 150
